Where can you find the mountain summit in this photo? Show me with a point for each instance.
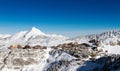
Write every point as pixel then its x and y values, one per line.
pixel 33 37
pixel 34 30
pixel 33 33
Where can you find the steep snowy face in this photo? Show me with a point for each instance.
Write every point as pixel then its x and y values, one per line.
pixel 33 33
pixel 37 37
pixel 25 35
pixel 19 35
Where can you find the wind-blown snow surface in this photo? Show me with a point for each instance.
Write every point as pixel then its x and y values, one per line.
pixel 60 59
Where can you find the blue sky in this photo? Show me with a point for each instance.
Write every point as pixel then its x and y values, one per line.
pixel 67 17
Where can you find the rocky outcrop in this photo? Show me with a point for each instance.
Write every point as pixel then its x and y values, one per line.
pixel 63 57
pixel 12 47
pixel 4 61
pixel 82 50
pixel 18 59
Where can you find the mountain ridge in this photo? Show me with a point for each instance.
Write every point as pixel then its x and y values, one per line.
pixel 34 50
pixel 32 37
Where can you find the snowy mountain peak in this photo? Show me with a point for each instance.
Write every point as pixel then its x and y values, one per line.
pixel 33 33
pixel 36 31
pixel 32 37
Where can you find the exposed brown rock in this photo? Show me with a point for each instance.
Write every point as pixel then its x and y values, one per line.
pixel 18 62
pixel 75 44
pixel 85 53
pixel 19 46
pixel 44 47
pixel 12 47
pixel 74 49
pixel 27 47
pixel 106 51
pixel 85 44
pixel 37 47
pixel 95 42
pixel 93 54
pixel 92 41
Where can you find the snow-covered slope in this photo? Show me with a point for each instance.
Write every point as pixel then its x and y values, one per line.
pixel 19 35
pixel 108 41
pixel 32 37
pixel 34 50
pixel 4 36
pixel 106 38
pixel 34 32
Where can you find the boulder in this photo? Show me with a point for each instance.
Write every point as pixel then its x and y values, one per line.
pixel 27 47
pixel 12 47
pixel 19 46
pixel 37 47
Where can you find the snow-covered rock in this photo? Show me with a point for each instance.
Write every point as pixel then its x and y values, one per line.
pixel 98 52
